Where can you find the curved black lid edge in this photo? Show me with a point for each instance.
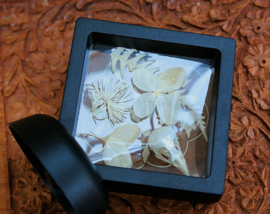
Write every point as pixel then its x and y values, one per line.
pixel 61 163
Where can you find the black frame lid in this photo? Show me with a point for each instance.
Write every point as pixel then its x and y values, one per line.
pixel 61 163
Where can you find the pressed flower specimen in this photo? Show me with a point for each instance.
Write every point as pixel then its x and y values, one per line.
pixel 160 91
pixel 122 56
pixel 115 151
pixel 109 100
pixel 163 91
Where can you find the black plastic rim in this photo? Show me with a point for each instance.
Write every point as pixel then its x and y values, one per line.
pixel 61 163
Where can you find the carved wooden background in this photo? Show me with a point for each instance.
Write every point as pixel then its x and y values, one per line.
pixel 35 41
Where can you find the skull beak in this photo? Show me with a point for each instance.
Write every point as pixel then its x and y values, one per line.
pixel 182 165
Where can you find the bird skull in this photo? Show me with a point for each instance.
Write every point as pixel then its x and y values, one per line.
pixel 164 143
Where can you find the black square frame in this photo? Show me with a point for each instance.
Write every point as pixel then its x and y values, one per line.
pixel 220 50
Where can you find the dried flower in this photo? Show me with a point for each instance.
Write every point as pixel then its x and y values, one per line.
pixel 160 92
pixel 109 98
pixel 256 27
pixel 115 151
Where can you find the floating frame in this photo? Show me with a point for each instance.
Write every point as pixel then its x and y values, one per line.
pixel 219 50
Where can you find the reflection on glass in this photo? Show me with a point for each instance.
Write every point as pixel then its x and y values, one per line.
pixel 145 111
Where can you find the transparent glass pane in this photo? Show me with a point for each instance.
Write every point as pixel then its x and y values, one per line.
pixel 145 111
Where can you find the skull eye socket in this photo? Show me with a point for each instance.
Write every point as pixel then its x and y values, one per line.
pixel 165 152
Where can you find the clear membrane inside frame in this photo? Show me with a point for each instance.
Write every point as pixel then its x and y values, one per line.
pixel 145 111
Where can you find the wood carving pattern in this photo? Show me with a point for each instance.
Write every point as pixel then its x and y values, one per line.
pixel 35 41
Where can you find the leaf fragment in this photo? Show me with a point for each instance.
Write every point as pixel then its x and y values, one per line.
pixel 122 56
pixel 190 102
pixel 145 154
pixel 117 154
pixel 115 150
pixel 127 134
pixel 202 126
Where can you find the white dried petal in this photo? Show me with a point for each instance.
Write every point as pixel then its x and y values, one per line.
pixel 117 154
pixel 125 134
pixel 171 79
pixel 145 154
pixel 134 117
pixel 168 107
pixel 145 105
pixel 144 80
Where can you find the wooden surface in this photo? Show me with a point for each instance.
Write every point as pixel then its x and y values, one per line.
pixel 35 41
